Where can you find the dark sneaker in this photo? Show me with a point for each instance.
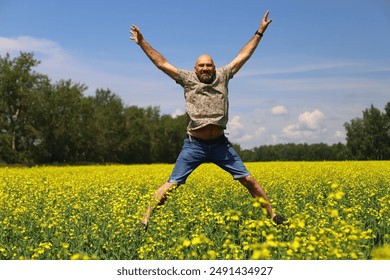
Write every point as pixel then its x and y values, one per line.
pixel 279 219
pixel 139 229
pixel 143 227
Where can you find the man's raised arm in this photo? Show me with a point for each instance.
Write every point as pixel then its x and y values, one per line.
pixel 158 59
pixel 247 51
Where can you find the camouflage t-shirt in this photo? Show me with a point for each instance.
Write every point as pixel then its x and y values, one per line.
pixel 206 103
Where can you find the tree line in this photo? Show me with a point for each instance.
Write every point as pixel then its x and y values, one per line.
pixel 45 122
pixel 368 138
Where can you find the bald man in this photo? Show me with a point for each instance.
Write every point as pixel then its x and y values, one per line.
pixel 207 104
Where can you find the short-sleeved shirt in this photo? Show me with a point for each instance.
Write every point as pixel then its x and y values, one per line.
pixel 206 103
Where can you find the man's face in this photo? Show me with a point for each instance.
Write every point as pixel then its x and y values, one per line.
pixel 205 69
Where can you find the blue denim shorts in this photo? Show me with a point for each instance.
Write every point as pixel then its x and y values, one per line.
pixel 196 151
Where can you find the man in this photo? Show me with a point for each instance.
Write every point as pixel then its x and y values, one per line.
pixel 206 95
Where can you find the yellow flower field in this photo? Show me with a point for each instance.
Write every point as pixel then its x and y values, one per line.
pixel 336 210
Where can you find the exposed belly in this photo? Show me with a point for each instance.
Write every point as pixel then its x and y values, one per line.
pixel 208 132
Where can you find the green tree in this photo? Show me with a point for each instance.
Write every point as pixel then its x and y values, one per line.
pixel 368 137
pixel 18 83
pixel 60 122
pixel 355 135
pixel 169 138
pixel 375 125
pixel 137 145
pixel 110 123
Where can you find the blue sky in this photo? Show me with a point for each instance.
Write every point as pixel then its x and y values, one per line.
pixel 319 65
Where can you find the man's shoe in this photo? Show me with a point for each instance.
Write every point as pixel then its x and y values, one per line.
pixel 279 219
pixel 145 226
pixel 139 229
pixel 142 227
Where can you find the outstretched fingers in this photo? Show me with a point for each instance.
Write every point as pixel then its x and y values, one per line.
pixel 265 18
pixel 134 31
pixel 265 22
pixel 134 28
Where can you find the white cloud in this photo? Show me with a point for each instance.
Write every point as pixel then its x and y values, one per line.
pixel 310 120
pixel 291 130
pixel 275 139
pixel 245 138
pixel 260 131
pixel 178 112
pixel 56 62
pixel 235 123
pixel 235 126
pixel 30 44
pixel 253 136
pixel 309 125
pixel 51 53
pixel 279 110
pixel 238 132
pixel 339 136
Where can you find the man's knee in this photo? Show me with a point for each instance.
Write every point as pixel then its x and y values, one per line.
pixel 247 181
pixel 165 189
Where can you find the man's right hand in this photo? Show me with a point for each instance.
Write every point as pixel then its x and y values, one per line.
pixel 137 35
pixel 157 58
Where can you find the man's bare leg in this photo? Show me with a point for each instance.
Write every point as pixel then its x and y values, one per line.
pixel 159 199
pixel 256 190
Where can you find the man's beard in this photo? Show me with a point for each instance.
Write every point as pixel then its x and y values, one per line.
pixel 206 78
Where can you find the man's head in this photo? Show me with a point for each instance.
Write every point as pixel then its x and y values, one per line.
pixel 205 69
